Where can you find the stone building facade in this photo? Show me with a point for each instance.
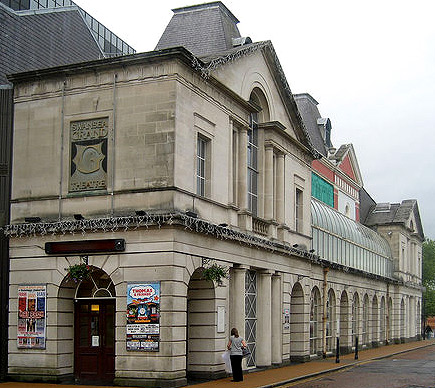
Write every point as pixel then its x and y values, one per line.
pixel 148 170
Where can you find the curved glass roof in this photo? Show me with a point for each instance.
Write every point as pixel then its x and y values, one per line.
pixel 331 221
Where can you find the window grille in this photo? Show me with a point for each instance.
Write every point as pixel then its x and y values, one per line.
pixel 251 315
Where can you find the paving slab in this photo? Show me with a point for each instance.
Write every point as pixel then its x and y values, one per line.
pixel 275 377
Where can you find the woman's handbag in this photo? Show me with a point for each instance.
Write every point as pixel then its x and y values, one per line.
pixel 245 352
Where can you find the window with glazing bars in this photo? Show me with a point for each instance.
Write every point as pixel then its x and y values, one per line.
pixel 201 155
pixel 299 207
pixel 253 164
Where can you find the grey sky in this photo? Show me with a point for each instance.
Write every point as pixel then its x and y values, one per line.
pixel 369 64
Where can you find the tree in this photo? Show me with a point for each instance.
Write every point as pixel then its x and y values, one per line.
pixel 429 277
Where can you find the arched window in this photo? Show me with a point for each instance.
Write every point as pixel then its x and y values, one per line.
pixel 253 164
pixel 258 99
pixel 97 285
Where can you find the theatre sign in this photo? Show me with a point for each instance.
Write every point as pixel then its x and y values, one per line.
pixel 89 140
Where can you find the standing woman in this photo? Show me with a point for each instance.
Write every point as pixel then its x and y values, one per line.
pixel 236 344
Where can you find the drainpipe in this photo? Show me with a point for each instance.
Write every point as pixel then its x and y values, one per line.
pixel 112 205
pixel 62 137
pixel 325 312
pixel 387 318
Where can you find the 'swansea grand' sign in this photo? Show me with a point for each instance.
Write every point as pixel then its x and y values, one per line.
pixel 89 154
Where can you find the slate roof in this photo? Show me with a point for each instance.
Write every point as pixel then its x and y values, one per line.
pixel 307 107
pixel 395 213
pixel 366 205
pixel 202 29
pixel 43 39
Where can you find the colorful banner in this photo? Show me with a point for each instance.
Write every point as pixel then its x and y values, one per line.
pixel 143 316
pixel 31 328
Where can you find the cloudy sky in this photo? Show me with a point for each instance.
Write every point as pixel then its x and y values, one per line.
pixel 370 65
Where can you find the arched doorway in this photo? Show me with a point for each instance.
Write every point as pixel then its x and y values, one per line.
pixel 365 334
pixel 390 315
pixel 355 318
pixel 94 329
pixel 201 327
pixel 297 323
pixel 402 321
pixel 375 321
pixel 382 323
pixel 330 321
pixel 344 321
pixel 315 322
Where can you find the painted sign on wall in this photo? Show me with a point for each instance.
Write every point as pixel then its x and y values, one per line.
pixel 143 316
pixel 89 154
pixel 31 329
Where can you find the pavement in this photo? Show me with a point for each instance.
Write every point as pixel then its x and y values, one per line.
pixel 275 377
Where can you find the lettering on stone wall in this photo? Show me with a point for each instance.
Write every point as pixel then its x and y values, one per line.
pixel 89 140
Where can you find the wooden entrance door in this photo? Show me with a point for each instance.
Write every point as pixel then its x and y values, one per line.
pixel 94 341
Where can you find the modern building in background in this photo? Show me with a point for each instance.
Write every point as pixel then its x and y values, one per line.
pixel 139 180
pixel 36 34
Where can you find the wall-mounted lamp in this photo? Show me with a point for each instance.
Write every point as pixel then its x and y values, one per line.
pixel 78 217
pixel 32 219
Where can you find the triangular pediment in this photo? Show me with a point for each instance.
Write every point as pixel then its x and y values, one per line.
pixel 256 65
pixel 346 167
pixel 347 163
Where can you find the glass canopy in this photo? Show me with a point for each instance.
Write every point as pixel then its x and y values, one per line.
pixel 341 240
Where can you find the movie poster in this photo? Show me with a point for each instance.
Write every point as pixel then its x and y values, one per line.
pixel 31 316
pixel 143 316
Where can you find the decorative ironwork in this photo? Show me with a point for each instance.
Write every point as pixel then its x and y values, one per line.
pixel 251 315
pixel 158 219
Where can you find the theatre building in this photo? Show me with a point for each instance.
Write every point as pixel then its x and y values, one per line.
pixel 138 180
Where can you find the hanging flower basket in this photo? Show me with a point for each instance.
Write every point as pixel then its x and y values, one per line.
pixel 78 272
pixel 215 272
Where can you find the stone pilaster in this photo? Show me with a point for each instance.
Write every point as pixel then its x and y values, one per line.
pixel 268 187
pixel 237 303
pixel 276 319
pixel 264 321
pixel 280 191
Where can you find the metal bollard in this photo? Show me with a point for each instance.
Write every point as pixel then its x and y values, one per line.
pixel 356 348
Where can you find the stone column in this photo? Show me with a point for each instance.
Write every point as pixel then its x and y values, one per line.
pixel 264 321
pixel 280 196
pixel 268 186
pixel 276 319
pixel 237 302
pixel 242 181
